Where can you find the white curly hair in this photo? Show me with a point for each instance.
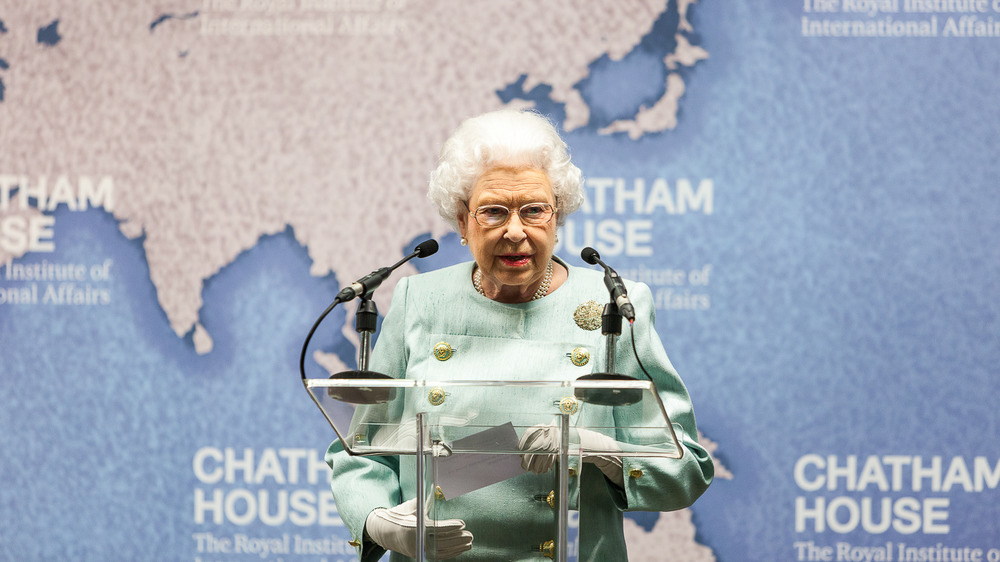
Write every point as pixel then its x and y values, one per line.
pixel 503 138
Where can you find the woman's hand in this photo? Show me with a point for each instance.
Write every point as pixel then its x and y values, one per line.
pixel 540 444
pixel 396 529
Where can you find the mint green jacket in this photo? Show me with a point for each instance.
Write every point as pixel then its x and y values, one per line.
pixel 529 341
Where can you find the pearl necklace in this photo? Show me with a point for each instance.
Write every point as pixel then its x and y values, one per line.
pixel 543 289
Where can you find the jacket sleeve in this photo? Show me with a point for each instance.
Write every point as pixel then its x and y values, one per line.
pixel 660 484
pixel 362 484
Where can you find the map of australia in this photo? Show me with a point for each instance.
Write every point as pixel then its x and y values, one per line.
pixel 212 123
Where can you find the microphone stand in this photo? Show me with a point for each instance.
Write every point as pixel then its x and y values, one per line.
pixel 611 328
pixel 365 323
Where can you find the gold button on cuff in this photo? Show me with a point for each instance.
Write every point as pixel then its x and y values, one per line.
pixel 443 351
pixel 436 396
pixel 355 544
pixel 635 473
pixel 569 405
pixel 548 549
pixel 549 498
pixel 580 356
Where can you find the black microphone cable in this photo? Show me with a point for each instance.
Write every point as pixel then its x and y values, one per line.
pixel 364 288
pixel 616 287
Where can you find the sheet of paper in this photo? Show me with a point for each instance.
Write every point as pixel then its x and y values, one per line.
pixel 464 472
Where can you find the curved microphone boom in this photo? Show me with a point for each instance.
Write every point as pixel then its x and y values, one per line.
pixel 364 287
pixel 370 282
pixel 613 282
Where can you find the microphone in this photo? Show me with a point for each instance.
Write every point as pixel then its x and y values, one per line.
pixel 371 281
pixel 365 325
pixel 612 327
pixel 613 282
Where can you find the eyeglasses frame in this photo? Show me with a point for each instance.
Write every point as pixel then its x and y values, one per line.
pixel 510 213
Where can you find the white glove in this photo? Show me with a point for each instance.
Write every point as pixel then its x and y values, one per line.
pixel 396 529
pixel 540 445
pixel 609 463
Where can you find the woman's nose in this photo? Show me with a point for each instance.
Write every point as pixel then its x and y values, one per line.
pixel 514 228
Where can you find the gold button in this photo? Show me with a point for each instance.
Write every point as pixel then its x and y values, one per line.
pixel 438 493
pixel 355 544
pixel 568 405
pixel 436 396
pixel 550 499
pixel 635 473
pixel 580 356
pixel 548 549
pixel 443 351
pixel 572 471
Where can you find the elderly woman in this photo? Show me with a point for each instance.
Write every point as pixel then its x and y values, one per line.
pixel 505 182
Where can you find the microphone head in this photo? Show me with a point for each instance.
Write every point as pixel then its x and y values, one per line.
pixel 426 248
pixel 590 255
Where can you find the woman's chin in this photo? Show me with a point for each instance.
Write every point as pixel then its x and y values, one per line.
pixel 522 281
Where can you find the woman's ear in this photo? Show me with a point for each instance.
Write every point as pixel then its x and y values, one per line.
pixel 463 222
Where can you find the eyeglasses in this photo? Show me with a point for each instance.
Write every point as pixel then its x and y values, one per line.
pixel 532 214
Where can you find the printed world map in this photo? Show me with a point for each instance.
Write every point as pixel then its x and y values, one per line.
pixel 213 123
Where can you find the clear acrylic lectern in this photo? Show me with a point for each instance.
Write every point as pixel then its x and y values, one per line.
pixel 455 430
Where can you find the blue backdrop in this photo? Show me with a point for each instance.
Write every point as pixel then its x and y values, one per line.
pixel 818 226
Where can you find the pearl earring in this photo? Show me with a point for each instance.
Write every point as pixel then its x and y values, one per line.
pixel 464 242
